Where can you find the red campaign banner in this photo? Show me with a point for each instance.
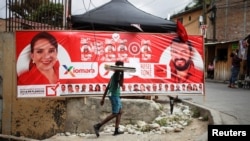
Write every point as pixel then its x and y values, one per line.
pixel 69 63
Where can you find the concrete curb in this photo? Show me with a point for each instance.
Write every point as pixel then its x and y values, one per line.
pixel 214 117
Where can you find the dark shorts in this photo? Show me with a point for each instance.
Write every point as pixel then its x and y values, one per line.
pixel 115 103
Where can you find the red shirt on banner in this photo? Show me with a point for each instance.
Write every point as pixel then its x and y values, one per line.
pixel 34 76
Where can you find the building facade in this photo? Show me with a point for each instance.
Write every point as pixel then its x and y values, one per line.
pixel 227 22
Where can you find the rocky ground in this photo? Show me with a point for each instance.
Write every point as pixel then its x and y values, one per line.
pixel 196 129
pixel 184 127
pixel 191 132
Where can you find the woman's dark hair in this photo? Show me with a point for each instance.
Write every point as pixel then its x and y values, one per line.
pixel 43 35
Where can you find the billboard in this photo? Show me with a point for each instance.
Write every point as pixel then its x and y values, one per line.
pixel 70 63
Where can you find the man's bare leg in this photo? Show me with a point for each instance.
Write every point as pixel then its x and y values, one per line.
pixel 107 119
pixel 117 123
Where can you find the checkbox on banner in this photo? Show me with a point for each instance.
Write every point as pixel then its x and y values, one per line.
pixel 50 91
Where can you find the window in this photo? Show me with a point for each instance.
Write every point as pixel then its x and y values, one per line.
pixel 222 54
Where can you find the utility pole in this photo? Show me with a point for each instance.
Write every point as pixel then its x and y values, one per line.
pixel 68 12
pixel 204 14
pixel 214 22
pixel 204 10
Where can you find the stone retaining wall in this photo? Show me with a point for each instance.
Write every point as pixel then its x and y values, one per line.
pixel 82 113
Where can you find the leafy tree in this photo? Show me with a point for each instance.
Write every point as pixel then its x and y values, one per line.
pixel 197 3
pixel 51 14
pixel 42 11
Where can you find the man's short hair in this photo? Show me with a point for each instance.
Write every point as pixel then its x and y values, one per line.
pixel 119 63
pixel 179 40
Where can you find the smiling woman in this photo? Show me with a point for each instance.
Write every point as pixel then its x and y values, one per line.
pixel 44 65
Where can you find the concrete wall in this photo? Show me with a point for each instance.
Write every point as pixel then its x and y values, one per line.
pixel 2 25
pixel 41 118
pixel 30 117
pixel 83 113
pixel 233 19
pixel 1 85
pixel 191 21
pixel 192 24
pixel 7 67
pixel 232 24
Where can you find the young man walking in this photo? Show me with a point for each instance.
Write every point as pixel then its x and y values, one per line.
pixel 113 91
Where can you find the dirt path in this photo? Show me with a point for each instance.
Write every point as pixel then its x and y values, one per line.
pixel 190 133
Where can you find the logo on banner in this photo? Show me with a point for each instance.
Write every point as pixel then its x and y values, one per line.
pixel 69 70
pixel 116 37
pixel 79 70
pixel 134 48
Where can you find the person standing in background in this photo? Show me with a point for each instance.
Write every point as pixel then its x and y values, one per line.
pixel 235 68
pixel 210 70
pixel 246 43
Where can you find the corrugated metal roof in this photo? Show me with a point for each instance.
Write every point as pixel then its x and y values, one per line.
pixel 222 42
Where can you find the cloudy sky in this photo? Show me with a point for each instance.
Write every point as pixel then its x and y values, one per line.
pixel 161 8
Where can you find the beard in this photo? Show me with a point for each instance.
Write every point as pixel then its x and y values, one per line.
pixel 183 67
